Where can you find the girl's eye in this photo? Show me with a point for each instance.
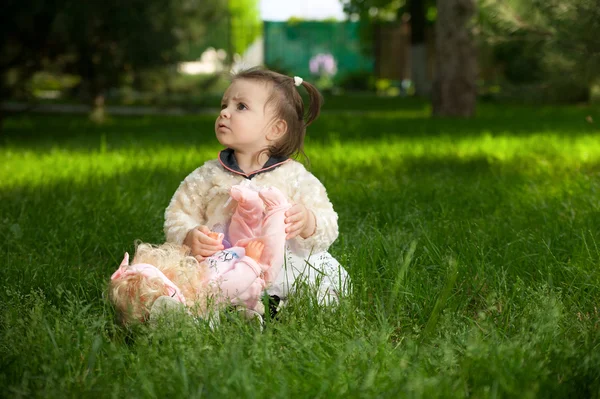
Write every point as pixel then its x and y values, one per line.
pixel 223 106
pixel 241 107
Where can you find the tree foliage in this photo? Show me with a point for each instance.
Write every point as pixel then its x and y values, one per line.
pixel 98 40
pixel 246 24
pixel 117 37
pixel 386 10
pixel 25 27
pixel 234 28
pixel 375 10
pixel 551 40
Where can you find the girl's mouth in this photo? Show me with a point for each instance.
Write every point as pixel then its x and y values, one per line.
pixel 222 126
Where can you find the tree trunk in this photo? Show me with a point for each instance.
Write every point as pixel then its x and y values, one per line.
pixel 454 86
pixel 91 89
pixel 1 125
pixel 377 49
pixel 418 51
pixel 98 113
pixel 4 95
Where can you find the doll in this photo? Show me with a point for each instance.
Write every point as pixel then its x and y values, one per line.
pixel 236 275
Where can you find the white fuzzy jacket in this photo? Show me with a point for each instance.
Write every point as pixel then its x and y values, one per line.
pixel 202 199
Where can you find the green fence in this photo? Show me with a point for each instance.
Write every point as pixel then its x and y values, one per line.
pixel 290 46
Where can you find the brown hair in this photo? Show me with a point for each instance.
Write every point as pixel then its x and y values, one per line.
pixel 289 106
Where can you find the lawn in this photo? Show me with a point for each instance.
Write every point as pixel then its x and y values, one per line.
pixel 473 245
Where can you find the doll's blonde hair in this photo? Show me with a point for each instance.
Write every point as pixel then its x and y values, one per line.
pixel 134 294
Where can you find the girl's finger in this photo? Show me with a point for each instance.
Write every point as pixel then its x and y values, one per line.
pixel 203 229
pixel 208 252
pixel 293 210
pixel 294 218
pixel 291 227
pixel 214 248
pixel 206 240
pixel 294 229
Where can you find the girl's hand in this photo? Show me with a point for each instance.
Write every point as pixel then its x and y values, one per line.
pixel 300 221
pixel 202 244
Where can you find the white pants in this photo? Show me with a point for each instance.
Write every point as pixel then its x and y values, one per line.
pixel 320 272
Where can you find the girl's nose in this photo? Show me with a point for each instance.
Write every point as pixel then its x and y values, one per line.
pixel 225 113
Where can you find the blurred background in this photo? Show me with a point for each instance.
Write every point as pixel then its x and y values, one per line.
pixel 89 56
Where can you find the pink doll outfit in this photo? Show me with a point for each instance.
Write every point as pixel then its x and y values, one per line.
pixel 259 215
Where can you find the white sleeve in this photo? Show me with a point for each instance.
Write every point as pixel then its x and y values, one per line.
pixel 187 207
pixel 311 193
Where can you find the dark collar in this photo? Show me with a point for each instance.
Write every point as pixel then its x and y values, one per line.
pixel 227 159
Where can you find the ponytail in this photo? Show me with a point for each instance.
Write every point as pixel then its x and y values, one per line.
pixel 315 103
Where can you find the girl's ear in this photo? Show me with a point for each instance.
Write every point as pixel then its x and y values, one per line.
pixel 277 130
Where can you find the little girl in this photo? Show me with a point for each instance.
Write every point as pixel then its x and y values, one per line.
pixel 262 124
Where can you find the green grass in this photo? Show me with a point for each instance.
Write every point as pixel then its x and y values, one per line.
pixel 474 248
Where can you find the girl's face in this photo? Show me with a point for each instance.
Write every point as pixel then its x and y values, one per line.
pixel 245 119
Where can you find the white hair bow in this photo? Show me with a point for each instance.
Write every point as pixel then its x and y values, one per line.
pixel 298 80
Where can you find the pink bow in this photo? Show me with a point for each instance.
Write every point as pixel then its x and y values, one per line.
pixel 149 271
